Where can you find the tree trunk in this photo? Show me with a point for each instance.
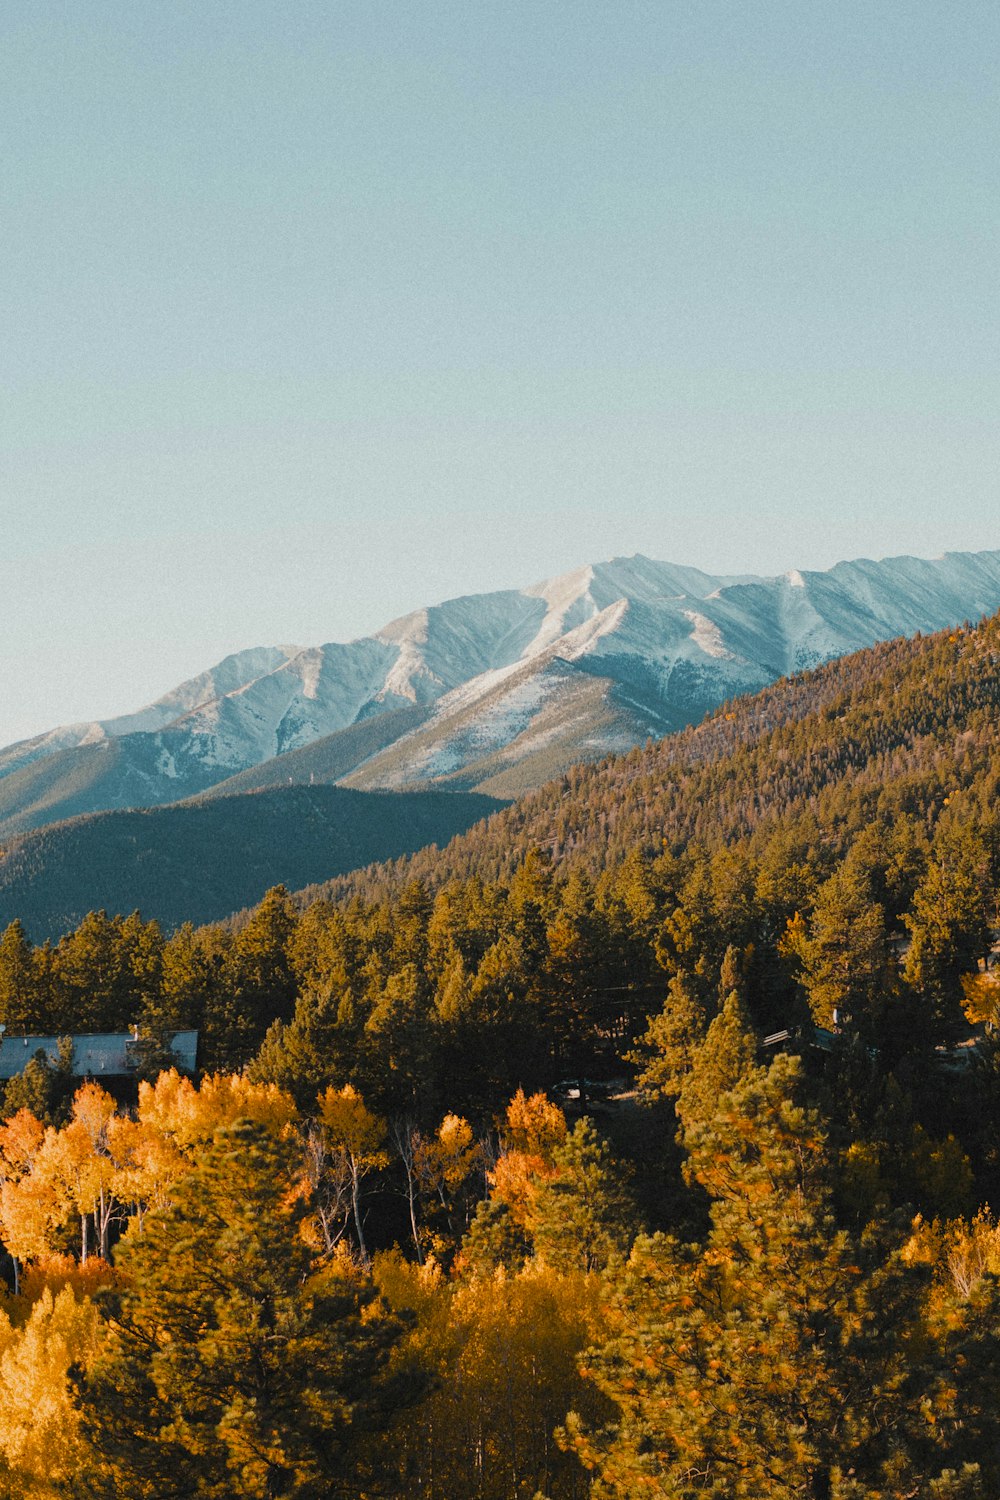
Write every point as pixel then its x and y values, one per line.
pixel 413 1221
pixel 105 1224
pixel 356 1205
pixel 403 1132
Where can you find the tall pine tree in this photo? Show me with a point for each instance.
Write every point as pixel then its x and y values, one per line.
pixel 233 1368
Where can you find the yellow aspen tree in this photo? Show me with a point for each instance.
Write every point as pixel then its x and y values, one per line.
pixel 69 1170
pixel 164 1103
pixel 30 1212
pixel 535 1128
pixel 981 998
pixel 28 1206
pixel 67 1166
pixel 443 1168
pixel 20 1140
pixel 356 1138
pixel 147 1164
pixel 190 1116
pixel 328 1183
pixel 93 1113
pixel 534 1125
pixel 502 1355
pixel 53 1273
pixel 40 1438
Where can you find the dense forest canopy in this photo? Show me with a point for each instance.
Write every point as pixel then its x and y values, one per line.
pixel 198 861
pixel 642 1141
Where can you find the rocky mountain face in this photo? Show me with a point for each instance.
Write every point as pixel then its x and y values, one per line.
pixel 495 692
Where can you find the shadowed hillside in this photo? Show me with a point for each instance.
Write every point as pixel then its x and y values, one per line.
pixel 200 861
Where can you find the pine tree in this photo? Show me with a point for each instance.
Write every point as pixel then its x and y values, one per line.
pixel 667 1050
pixel 582 1216
pixel 721 1062
pixel 258 985
pixel 42 1086
pixel 948 924
pixel 846 962
pixel 233 1368
pixel 777 1358
pixel 20 1009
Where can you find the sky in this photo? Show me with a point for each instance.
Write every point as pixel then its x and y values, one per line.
pixel 315 312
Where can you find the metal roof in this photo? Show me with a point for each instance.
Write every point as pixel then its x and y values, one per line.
pixel 108 1053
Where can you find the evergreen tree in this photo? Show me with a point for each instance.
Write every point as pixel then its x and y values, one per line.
pixel 721 1062
pixel 42 1086
pixel 846 963
pixel 948 924
pixel 20 1010
pixel 582 1216
pixel 258 983
pixel 667 1051
pixel 319 1047
pixel 779 1358
pixel 105 969
pixel 233 1368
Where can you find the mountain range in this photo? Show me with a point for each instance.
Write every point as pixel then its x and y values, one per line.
pixel 495 692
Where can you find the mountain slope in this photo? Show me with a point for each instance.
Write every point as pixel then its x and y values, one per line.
pixel 137 770
pixel 526 727
pixel 199 862
pixel 907 727
pixel 501 689
pixel 228 676
pixel 327 760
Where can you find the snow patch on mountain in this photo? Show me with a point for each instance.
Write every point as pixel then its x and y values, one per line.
pixel 508 672
pixel 706 635
pixel 310 670
pixel 92 734
pixel 586 638
pixel 166 765
pixel 497 723
pixel 568 603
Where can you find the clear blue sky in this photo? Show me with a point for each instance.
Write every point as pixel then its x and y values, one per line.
pixel 316 311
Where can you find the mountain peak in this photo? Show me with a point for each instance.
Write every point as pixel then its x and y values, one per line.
pixel 495 690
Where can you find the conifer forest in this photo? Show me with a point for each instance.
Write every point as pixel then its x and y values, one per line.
pixel 644 1141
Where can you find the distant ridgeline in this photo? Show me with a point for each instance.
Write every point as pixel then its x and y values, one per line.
pixel 894 729
pixel 200 861
pixel 838 835
pixel 495 693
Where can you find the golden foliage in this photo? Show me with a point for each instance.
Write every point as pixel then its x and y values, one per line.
pixel 446 1162
pixel 535 1129
pixel 503 1352
pixel 39 1426
pixel 534 1126
pixel 189 1115
pixel 981 1002
pixel 352 1125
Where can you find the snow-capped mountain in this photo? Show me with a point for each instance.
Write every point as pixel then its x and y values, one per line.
pixel 496 691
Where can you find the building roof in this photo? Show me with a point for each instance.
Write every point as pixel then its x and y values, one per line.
pixel 105 1053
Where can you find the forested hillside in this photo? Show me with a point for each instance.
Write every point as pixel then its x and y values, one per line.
pixel 198 862
pixel 643 1141
pixel 892 728
pixel 494 692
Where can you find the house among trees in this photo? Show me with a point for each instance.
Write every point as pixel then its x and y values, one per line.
pixel 96 1054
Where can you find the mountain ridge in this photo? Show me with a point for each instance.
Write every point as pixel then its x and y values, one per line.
pixel 492 684
pixel 904 729
pixel 200 861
